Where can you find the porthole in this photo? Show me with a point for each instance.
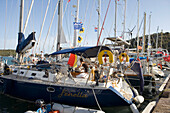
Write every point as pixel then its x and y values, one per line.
pixel 33 74
pixel 50 89
pixel 15 71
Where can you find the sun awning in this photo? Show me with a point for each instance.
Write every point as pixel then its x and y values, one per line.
pixel 87 52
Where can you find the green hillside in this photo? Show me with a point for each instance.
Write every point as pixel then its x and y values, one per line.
pixel 8 52
pixel 165 41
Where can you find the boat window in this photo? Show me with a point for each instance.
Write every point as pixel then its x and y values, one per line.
pixel 22 72
pixel 33 74
pixel 50 89
pixel 45 76
pixel 15 71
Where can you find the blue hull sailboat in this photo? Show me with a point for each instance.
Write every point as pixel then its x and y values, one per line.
pixel 32 84
pixel 63 87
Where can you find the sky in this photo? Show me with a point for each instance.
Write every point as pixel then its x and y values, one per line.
pixel 9 21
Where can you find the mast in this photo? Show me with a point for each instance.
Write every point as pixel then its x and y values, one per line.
pixel 20 27
pixel 76 20
pixel 60 13
pixel 149 42
pixel 161 37
pixel 115 17
pixel 99 11
pixel 144 29
pixel 157 39
pixel 124 21
pixel 21 16
pixel 138 31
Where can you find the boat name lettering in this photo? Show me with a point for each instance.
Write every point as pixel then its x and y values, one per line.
pixel 65 92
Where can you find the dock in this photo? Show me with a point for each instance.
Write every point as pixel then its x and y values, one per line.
pixel 163 105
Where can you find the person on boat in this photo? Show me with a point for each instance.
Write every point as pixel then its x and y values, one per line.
pixel 6 69
pixel 84 65
pixel 85 69
pixel 42 55
pixel 42 109
pixel 97 75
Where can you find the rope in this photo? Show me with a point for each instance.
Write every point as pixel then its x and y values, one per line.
pixel 103 22
pixel 42 24
pixel 26 22
pixel 89 22
pixel 86 11
pixel 5 25
pixel 155 97
pixel 50 24
pixel 96 99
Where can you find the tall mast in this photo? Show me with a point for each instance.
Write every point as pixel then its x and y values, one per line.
pixel 115 17
pixel 20 27
pixel 60 13
pixel 149 38
pixel 138 32
pixel 76 20
pixel 157 39
pixel 21 16
pixel 144 29
pixel 161 37
pixel 149 42
pixel 99 11
pixel 124 21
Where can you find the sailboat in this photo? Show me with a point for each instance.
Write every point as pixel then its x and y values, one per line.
pixel 31 84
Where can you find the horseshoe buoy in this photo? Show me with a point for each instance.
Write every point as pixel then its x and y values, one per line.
pixel 123 55
pixel 105 52
pixel 160 65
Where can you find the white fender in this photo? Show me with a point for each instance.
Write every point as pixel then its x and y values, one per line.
pixel 139 99
pixel 134 108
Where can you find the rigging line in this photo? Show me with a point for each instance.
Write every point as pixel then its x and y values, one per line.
pixel 5 25
pixel 71 29
pixel 89 22
pixel 133 14
pixel 65 10
pixel 26 22
pixel 50 25
pixel 111 28
pixel 7 18
pixel 69 32
pixel 140 24
pixel 42 25
pixel 86 11
pixel 103 22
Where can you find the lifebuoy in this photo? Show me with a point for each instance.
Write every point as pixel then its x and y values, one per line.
pixel 125 55
pixel 105 52
pixel 160 65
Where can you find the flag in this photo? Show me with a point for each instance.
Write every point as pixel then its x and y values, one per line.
pixel 77 25
pixel 79 39
pixel 137 68
pixel 95 29
pixel 68 0
pixel 72 60
pixel 81 30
